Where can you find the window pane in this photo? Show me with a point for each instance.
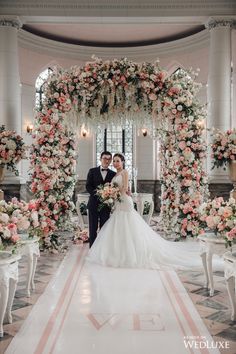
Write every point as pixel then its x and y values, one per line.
pixel 117 140
pixel 40 81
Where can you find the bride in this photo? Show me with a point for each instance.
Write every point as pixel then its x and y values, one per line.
pixel 126 240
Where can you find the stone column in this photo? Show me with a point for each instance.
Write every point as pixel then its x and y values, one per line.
pixel 234 78
pixel 10 91
pixel 10 99
pixel 219 85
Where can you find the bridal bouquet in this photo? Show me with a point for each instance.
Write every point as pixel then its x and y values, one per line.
pixel 108 194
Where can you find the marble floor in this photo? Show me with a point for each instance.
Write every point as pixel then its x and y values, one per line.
pixel 85 308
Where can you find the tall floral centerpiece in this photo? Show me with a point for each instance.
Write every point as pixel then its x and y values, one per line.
pixel 219 216
pixel 224 153
pixel 17 216
pixel 12 149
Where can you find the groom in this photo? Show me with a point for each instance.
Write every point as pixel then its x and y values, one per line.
pixel 96 176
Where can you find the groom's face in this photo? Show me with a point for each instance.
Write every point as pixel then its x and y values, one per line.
pixel 105 161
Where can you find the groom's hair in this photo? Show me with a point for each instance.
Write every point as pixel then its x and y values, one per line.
pixel 106 153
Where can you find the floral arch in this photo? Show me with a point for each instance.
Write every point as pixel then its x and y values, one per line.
pixel 113 92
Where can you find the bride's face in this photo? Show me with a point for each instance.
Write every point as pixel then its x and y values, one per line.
pixel 117 163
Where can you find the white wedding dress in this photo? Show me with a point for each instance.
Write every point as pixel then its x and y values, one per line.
pixel 127 241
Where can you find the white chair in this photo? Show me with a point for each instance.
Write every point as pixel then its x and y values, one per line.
pixel 140 199
pixel 83 219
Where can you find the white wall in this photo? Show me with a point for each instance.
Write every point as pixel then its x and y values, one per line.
pixel 86 156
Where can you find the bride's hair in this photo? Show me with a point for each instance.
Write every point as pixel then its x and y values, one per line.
pixel 120 156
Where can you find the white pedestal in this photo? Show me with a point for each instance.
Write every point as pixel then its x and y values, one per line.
pixel 230 275
pixel 30 249
pixel 8 281
pixel 210 245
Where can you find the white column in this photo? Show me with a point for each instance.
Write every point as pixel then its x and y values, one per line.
pixel 10 100
pixel 10 91
pixel 234 78
pixel 219 85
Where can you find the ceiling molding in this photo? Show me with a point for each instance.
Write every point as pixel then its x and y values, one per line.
pixel 126 8
pixel 124 39
pixel 84 53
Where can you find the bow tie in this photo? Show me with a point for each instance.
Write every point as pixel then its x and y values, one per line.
pixel 104 169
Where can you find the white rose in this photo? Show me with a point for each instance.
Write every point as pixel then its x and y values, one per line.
pixel 4 218
pixel 179 108
pixel 11 145
pixel 6 233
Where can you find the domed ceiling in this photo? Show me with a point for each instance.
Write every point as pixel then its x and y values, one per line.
pixel 112 34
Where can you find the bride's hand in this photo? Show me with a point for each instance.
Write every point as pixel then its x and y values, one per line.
pixel 128 193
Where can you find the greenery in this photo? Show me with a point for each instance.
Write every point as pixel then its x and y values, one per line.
pixel 83 208
pixel 146 208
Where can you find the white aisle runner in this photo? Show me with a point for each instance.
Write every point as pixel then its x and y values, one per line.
pixel 88 309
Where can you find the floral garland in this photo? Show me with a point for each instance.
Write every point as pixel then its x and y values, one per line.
pixel 223 147
pixel 112 92
pixel 12 149
pixel 184 182
pixel 53 172
pixel 107 91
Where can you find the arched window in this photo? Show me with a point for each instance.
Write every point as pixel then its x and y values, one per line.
pixel 116 139
pixel 40 82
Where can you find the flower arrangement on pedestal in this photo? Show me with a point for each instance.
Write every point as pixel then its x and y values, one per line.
pixel 24 214
pixel 8 233
pixel 12 149
pixel 220 217
pixel 224 148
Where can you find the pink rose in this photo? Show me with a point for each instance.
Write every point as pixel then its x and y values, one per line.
pixel 182 145
pixel 15 238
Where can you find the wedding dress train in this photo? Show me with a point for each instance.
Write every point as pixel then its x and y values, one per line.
pixel 127 241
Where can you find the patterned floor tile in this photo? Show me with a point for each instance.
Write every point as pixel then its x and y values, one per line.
pixel 204 292
pixel 208 302
pixel 229 334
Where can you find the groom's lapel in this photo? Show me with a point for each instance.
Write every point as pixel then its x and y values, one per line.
pixel 99 175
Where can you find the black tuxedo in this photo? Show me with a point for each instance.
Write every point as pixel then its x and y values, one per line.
pixel 94 179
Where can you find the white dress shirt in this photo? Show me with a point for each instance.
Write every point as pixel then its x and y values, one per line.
pixel 103 173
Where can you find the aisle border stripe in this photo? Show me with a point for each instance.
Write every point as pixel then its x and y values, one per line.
pixel 51 322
